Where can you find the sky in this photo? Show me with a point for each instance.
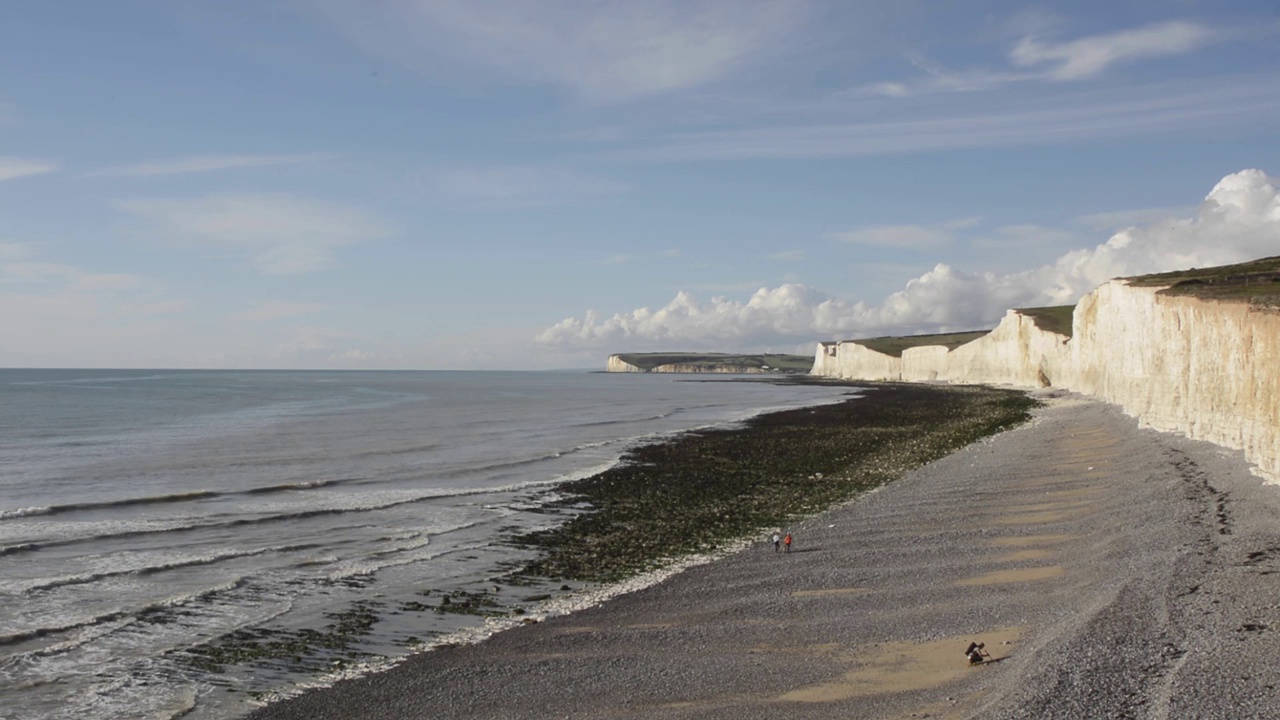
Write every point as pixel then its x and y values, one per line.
pixel 536 184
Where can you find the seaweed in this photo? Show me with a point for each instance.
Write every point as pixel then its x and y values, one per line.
pixel 708 488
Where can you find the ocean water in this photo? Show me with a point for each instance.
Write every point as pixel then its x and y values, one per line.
pixel 146 513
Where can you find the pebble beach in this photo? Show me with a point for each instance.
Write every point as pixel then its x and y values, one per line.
pixel 1110 571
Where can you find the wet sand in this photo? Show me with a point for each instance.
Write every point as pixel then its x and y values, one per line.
pixel 1111 572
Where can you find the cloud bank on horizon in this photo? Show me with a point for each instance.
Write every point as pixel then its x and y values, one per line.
pixel 1238 221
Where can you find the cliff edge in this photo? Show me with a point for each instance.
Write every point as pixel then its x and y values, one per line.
pixel 1196 352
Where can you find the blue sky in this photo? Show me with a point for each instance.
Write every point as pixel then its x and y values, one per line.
pixel 415 184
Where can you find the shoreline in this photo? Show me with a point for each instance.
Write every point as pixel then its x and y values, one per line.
pixel 703 488
pixel 895 427
pixel 1112 572
pixel 493 599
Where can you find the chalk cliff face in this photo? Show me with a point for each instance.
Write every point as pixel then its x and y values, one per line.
pixel 1208 369
pixel 617 364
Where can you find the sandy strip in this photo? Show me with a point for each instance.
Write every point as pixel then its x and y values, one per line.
pixel 1111 571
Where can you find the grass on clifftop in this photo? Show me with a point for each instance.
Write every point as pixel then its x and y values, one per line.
pixel 707 488
pixel 1256 282
pixel 788 363
pixel 1054 319
pixel 894 345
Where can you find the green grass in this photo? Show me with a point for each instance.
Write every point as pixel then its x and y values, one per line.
pixel 776 361
pixel 1256 282
pixel 894 345
pixel 1054 319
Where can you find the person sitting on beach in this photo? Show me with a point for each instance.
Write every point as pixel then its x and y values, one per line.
pixel 777 542
pixel 976 652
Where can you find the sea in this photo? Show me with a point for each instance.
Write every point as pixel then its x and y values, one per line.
pixel 146 515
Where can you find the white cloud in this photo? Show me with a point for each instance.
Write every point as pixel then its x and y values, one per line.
pixel 1089 56
pixel 887 89
pixel 515 187
pixel 281 234
pixel 789 313
pixel 601 51
pixel 1238 221
pixel 946 79
pixel 1079 59
pixel 204 163
pixel 13 167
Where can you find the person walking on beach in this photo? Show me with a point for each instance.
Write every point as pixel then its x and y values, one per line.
pixel 787 541
pixel 777 542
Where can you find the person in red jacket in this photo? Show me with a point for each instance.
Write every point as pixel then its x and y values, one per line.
pixel 786 541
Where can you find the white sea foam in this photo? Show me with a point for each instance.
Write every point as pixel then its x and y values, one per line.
pixel 226 464
pixel 490 626
pixel 25 512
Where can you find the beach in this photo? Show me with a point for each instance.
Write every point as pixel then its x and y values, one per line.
pixel 1110 572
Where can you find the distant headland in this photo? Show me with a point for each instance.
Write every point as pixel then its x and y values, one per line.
pixel 687 362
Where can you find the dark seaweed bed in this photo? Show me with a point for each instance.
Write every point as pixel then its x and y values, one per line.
pixel 706 488
pixel 698 492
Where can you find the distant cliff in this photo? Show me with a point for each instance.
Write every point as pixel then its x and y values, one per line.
pixel 1197 352
pixel 708 363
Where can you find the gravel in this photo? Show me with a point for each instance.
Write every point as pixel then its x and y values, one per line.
pixel 1113 572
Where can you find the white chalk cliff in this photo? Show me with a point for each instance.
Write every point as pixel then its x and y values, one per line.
pixel 617 364
pixel 1209 369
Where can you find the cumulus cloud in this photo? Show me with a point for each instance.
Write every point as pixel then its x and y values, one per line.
pixel 1089 56
pixel 12 167
pixel 281 234
pixel 1238 221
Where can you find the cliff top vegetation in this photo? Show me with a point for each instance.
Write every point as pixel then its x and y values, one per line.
pixel 777 361
pixel 894 345
pixel 1054 318
pixel 1256 282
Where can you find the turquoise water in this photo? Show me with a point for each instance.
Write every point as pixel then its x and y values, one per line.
pixel 145 512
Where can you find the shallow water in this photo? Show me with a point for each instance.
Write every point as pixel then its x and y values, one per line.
pixel 144 513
